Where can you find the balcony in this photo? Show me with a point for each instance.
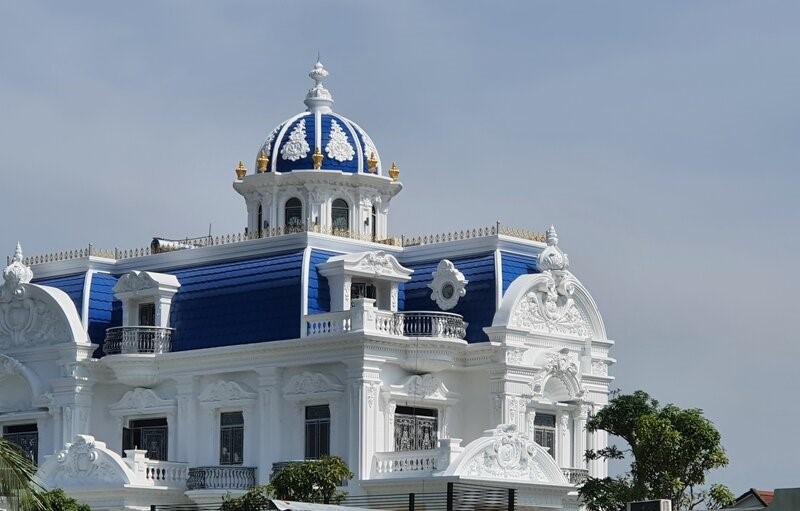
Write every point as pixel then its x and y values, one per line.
pixel 576 476
pixel 440 325
pixel 409 463
pixel 223 477
pixel 137 339
pixel 168 474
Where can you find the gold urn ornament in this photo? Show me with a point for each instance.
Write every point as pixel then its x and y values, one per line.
pixel 262 161
pixel 394 172
pixel 372 163
pixel 241 171
pixel 317 156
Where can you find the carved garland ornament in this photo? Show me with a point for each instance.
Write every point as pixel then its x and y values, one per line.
pixel 338 147
pixel 376 262
pixel 511 456
pixel 310 383
pixel 225 391
pixel 297 146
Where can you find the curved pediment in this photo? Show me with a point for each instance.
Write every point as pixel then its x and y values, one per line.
pixel 141 400
pixel 85 463
pixel 308 385
pixel 145 283
pixel 366 264
pixel 506 454
pixel 224 393
pixel 32 315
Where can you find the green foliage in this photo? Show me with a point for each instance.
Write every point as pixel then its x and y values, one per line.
pixel 57 500
pixel 672 450
pixel 312 481
pixel 256 499
pixel 16 476
pixel 304 481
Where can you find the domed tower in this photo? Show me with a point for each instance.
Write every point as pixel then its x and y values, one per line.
pixel 318 171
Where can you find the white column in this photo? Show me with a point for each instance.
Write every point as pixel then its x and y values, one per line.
pixel 564 443
pixel 186 421
pixel 364 383
pixel 579 436
pixel 269 439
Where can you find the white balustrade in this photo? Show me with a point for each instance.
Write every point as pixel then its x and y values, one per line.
pixel 331 323
pixel 364 317
pixel 171 474
pixel 409 463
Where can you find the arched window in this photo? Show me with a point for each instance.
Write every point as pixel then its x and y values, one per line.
pixel 293 215
pixel 340 215
pixel 374 220
pixel 259 221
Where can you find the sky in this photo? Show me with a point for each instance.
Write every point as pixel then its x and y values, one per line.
pixel 661 138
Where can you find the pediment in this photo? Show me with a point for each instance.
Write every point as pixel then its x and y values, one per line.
pixel 136 283
pixel 366 264
pixel 425 387
pixel 85 463
pixel 223 393
pixel 309 385
pixel 141 401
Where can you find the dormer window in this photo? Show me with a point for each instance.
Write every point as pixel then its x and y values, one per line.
pixel 146 298
pixel 340 215
pixel 372 275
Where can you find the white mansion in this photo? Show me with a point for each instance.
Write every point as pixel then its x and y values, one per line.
pixel 180 372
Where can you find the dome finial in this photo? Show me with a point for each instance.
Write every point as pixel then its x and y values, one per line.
pixel 319 98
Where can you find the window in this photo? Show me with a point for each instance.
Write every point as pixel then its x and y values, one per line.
pixel 147 314
pixel 231 438
pixel 544 431
pixel 374 223
pixel 26 437
pixel 293 220
pixel 362 290
pixel 318 431
pixel 147 434
pixel 415 428
pixel 340 215
pixel 260 220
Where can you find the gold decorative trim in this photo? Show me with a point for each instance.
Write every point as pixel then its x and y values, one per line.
pixel 317 156
pixel 372 163
pixel 262 161
pixel 394 172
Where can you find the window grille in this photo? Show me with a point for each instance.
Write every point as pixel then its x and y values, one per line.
pixel 231 438
pixel 147 434
pixel 544 431
pixel 340 215
pixel 415 429
pixel 318 431
pixel 26 437
pixel 293 217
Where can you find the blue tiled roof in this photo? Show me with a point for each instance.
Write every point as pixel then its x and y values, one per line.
pixel 237 302
pixel 104 310
pixel 477 306
pixel 319 296
pixel 515 265
pixel 71 284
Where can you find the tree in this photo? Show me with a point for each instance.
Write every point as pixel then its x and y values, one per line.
pixel 16 478
pixel 672 450
pixel 57 500
pixel 304 481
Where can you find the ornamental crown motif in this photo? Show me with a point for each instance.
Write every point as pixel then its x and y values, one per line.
pixel 17 272
pixel 560 363
pixel 553 258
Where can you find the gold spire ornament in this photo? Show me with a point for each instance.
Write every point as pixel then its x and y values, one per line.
pixel 372 163
pixel 317 156
pixel 394 172
pixel 241 171
pixel 262 161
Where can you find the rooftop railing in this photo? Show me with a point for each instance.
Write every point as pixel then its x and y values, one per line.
pixel 137 339
pixel 576 476
pixel 166 245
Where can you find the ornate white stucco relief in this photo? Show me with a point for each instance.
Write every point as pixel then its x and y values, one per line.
pixel 140 400
pixel 85 463
pixel 26 318
pixel 599 368
pixel 307 385
pixel 508 455
pixel 562 365
pixel 338 147
pixel 296 147
pixel 448 285
pixel 550 307
pixel 222 392
pixel 267 147
pixel 369 146
pixel 426 386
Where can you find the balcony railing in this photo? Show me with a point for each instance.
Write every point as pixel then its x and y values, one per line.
pixel 575 475
pixel 410 463
pixel 409 324
pixel 171 474
pixel 138 339
pixel 221 478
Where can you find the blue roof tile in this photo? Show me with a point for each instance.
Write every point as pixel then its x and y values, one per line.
pixel 515 265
